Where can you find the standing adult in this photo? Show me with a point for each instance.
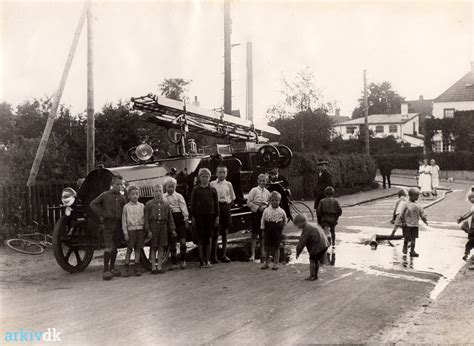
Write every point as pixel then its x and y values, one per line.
pixel 434 177
pixel 385 168
pixel 425 178
pixel 323 180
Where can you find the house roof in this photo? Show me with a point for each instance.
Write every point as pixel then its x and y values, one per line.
pixel 462 90
pixel 380 119
pixel 335 119
pixel 420 106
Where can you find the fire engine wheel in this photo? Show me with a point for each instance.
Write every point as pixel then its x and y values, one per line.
pixel 268 156
pixel 145 258
pixel 301 208
pixel 285 156
pixel 70 250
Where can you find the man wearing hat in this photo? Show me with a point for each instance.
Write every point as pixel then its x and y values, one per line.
pixel 323 180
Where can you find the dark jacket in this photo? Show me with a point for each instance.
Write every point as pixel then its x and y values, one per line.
pixel 204 201
pixel 322 181
pixel 314 239
pixel 329 211
pixel 386 167
pixel 109 205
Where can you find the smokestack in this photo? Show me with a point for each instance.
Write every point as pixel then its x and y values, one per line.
pixel 338 112
pixel 421 98
pixel 249 99
pixel 196 102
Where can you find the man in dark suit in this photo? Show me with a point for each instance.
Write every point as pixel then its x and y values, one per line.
pixel 385 168
pixel 323 180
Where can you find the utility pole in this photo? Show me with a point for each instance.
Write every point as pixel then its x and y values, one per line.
pixel 227 59
pixel 90 93
pixel 57 98
pixel 366 116
pixel 249 110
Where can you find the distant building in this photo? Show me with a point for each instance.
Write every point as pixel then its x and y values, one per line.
pixel 423 107
pixel 337 118
pixel 458 97
pixel 404 127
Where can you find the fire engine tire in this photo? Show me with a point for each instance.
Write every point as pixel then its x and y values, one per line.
pixel 73 258
pixel 285 156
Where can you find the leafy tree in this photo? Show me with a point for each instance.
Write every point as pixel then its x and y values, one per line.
pixel 298 95
pixel 6 123
pixel 174 88
pixel 306 131
pixel 381 100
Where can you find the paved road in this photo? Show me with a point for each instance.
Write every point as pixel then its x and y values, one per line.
pixel 361 297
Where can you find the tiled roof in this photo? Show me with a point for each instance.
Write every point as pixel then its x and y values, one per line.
pixel 338 119
pixel 462 90
pixel 381 119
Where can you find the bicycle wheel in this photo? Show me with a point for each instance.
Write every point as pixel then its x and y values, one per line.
pixel 24 246
pixel 301 208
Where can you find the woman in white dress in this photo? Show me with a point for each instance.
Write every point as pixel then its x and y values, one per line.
pixel 425 178
pixel 434 177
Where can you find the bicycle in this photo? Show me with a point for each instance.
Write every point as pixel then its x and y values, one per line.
pixel 30 243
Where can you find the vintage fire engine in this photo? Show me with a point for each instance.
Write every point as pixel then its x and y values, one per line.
pixel 76 234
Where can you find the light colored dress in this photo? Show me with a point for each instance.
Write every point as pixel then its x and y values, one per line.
pixel 435 176
pixel 425 179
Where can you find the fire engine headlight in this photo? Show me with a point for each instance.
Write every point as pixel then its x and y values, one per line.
pixel 68 196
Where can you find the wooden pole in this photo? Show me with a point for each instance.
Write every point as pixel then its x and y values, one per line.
pixel 366 116
pixel 90 93
pixel 227 59
pixel 57 98
pixel 249 102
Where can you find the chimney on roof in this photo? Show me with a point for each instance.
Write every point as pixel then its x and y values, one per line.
pixel 404 108
pixel 420 98
pixel 338 112
pixel 196 102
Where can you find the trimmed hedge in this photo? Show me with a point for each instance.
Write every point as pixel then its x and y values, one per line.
pixel 447 161
pixel 350 173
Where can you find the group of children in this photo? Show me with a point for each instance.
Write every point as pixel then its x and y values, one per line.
pixel 164 220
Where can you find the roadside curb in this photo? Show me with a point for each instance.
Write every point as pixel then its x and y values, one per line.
pixel 407 185
pixel 444 193
pixel 368 200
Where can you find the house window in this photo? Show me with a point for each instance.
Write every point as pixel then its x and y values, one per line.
pixel 392 128
pixel 379 129
pixel 448 112
pixel 437 146
pixel 350 129
pixel 447 146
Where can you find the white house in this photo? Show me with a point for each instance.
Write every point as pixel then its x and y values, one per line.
pixel 458 97
pixel 404 127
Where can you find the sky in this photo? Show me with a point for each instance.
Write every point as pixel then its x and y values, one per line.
pixel 422 48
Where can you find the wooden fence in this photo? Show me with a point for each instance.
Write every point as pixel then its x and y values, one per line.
pixel 41 203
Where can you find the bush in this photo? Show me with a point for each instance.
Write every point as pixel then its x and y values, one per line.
pixel 351 173
pixel 448 161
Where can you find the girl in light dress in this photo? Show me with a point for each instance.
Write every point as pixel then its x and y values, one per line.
pixel 425 178
pixel 434 177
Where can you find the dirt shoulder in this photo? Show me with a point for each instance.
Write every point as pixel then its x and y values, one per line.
pixel 449 319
